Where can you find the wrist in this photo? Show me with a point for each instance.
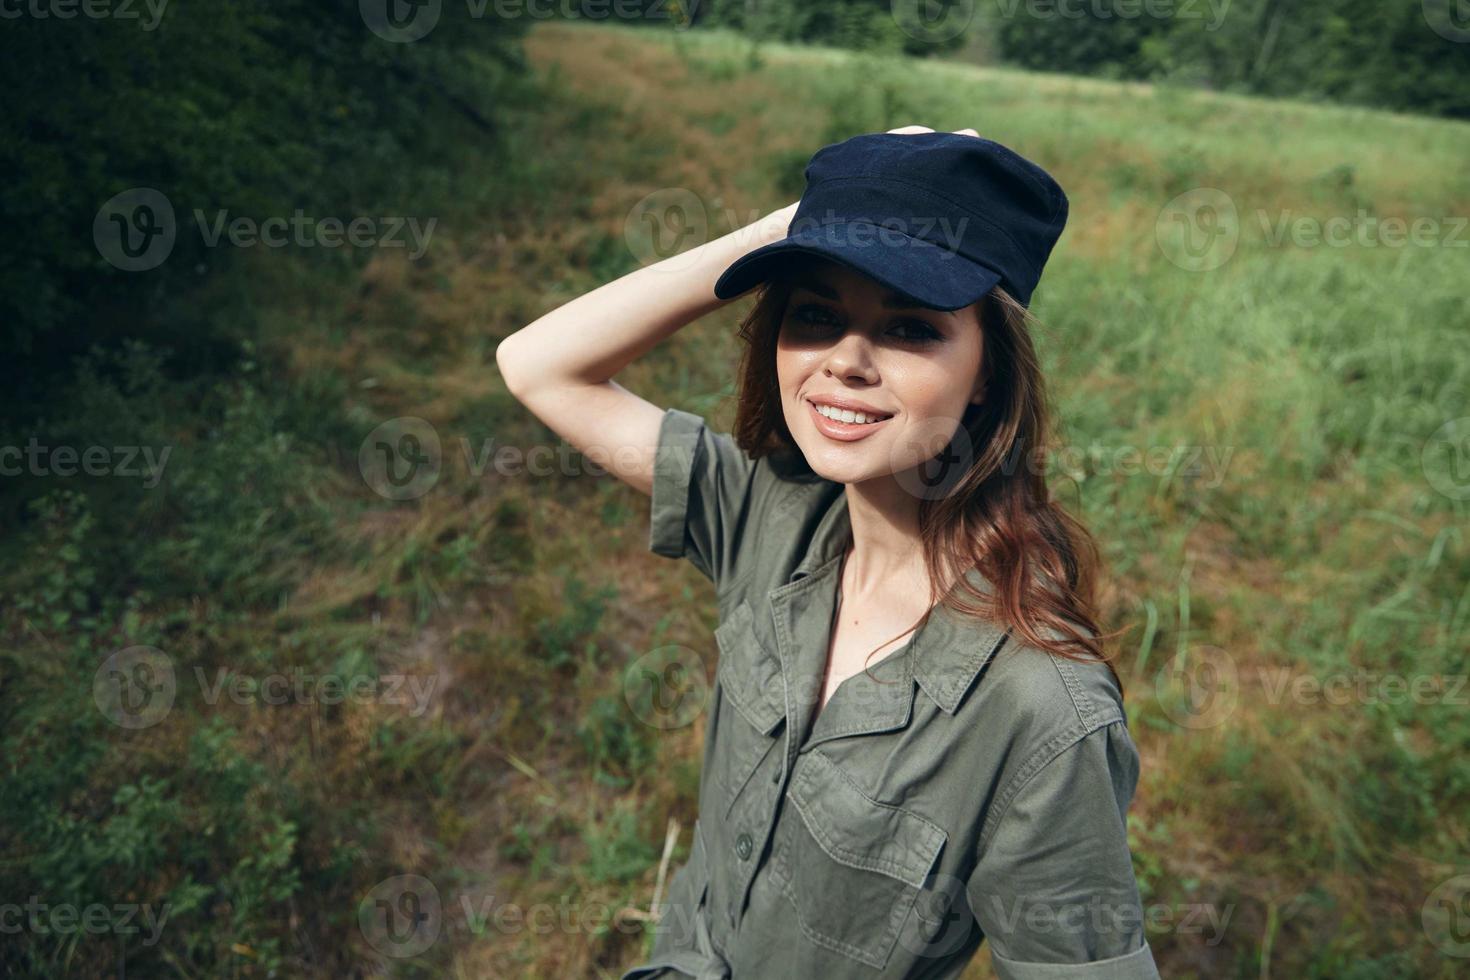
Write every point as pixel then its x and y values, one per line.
pixel 776 224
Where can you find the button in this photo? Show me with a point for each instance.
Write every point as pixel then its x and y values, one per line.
pixel 742 846
pixel 775 775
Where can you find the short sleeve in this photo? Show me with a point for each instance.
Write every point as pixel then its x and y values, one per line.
pixel 703 495
pixel 1053 889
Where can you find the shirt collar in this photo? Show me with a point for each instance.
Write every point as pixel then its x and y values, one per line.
pixel 950 649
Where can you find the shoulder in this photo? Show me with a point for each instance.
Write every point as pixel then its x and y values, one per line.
pixel 1032 706
pixel 1064 728
pixel 1056 692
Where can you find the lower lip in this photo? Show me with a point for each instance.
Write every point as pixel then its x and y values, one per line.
pixel 844 431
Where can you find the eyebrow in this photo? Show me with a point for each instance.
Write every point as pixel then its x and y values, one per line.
pixel 891 299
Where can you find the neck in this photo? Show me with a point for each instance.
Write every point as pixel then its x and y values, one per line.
pixel 886 552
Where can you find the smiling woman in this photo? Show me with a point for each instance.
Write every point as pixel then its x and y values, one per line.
pixel 974 782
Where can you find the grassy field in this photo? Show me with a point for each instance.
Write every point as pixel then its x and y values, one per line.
pixel 1253 426
pixel 1305 380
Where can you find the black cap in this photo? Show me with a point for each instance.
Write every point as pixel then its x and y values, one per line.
pixel 939 217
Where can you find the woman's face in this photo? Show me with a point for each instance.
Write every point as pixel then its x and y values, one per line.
pixel 848 343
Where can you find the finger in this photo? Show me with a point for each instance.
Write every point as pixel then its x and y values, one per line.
pixel 911 129
pixel 967 132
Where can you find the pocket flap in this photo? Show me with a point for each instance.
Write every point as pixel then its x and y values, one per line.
pixel 861 832
pixel 749 672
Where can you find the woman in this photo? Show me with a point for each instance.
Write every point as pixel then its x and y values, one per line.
pixel 883 495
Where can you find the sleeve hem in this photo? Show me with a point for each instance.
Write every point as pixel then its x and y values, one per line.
pixel 1137 965
pixel 673 467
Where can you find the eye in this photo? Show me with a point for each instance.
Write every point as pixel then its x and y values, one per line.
pixel 813 315
pixel 908 330
pixel 918 331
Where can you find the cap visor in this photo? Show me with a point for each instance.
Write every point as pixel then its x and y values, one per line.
pixel 933 276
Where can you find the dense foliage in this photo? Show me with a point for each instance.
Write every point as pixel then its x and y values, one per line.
pixel 1370 52
pixel 1409 55
pixel 251 108
pixel 163 471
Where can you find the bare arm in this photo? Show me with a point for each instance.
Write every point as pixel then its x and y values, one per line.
pixel 561 366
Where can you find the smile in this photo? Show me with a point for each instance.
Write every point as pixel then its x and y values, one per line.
pixel 843 425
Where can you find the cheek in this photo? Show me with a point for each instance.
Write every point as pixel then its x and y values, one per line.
pixel 792 368
pixel 930 389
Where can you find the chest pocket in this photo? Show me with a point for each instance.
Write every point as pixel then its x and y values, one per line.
pixel 852 867
pixel 754 704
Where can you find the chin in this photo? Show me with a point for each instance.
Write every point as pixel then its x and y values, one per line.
pixel 854 463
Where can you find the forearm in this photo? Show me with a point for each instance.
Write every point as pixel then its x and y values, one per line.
pixel 589 339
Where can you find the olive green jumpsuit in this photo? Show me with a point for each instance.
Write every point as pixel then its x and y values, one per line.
pixel 972 788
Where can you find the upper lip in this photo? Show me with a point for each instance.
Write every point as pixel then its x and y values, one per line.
pixel 846 402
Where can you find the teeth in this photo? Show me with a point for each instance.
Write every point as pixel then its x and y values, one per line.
pixel 843 415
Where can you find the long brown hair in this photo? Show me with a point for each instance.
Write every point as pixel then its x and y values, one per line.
pixel 998 515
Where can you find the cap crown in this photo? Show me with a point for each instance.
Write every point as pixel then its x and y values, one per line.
pixel 1007 212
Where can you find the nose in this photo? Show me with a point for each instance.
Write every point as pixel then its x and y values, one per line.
pixel 850 360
